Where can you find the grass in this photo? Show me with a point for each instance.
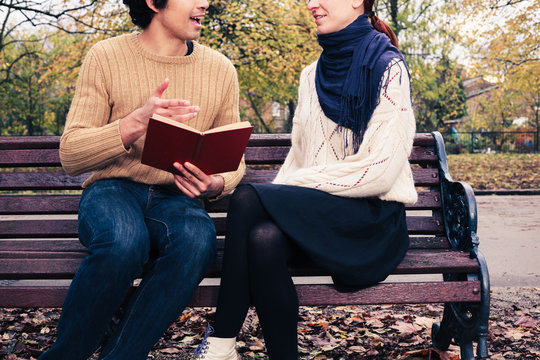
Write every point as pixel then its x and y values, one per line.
pixel 496 171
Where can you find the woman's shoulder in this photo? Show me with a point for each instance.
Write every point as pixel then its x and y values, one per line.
pixel 309 70
pixel 308 73
pixel 393 65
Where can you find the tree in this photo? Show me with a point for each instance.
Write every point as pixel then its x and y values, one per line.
pixel 506 51
pixel 38 71
pixel 438 94
pixel 16 16
pixel 269 44
pixel 38 93
pixel 427 38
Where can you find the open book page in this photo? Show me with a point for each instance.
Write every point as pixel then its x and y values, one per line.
pixel 236 125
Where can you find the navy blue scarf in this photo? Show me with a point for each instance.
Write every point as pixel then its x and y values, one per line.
pixel 349 74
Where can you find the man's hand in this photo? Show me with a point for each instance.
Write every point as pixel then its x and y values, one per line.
pixel 193 182
pixel 134 125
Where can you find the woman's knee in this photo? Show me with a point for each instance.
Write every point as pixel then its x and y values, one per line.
pixel 243 197
pixel 267 244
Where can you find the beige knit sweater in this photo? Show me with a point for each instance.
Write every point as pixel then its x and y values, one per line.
pixel 117 77
pixel 320 159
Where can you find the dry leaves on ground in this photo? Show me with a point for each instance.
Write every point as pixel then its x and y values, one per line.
pixel 400 332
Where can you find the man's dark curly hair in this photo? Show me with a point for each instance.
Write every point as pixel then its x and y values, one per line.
pixel 141 14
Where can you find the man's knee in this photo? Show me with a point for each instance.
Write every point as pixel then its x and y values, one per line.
pixel 121 252
pixel 200 244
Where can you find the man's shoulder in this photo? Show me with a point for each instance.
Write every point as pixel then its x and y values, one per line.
pixel 213 55
pixel 112 44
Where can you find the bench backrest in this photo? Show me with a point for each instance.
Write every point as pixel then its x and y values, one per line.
pixel 39 202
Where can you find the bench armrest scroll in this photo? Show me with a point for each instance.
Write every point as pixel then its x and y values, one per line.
pixel 458 205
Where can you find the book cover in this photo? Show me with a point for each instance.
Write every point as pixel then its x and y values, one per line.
pixel 213 151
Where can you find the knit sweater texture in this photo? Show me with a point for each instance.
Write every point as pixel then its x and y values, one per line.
pixel 117 76
pixel 322 155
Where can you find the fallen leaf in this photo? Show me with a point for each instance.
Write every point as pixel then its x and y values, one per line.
pixel 527 321
pixel 406 327
pixel 170 350
pixel 357 348
pixel 257 346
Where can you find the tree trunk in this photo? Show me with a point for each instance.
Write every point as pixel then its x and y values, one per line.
pixel 292 107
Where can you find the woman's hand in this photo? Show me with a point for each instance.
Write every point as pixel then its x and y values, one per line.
pixel 193 182
pixel 134 125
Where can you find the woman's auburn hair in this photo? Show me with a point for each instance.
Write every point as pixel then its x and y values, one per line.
pixel 378 24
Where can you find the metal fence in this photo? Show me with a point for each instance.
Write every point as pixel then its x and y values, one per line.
pixel 491 141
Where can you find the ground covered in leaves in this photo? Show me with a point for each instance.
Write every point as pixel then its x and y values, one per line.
pixel 496 171
pixel 345 332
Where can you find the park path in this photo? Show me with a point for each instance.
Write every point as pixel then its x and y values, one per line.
pixel 509 231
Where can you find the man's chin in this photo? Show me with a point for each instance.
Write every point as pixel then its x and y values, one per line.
pixel 194 36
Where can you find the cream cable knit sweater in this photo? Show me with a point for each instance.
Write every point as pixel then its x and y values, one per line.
pixel 319 157
pixel 117 76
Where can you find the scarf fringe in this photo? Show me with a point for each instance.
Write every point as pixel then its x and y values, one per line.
pixel 361 108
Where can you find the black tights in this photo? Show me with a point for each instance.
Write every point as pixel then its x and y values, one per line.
pixel 255 272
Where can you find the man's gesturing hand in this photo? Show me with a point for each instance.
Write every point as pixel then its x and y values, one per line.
pixel 134 125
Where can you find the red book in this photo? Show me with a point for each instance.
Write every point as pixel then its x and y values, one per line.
pixel 213 151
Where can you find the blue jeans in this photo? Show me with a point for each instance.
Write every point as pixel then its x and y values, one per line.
pixel 127 226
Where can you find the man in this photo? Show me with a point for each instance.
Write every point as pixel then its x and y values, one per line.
pixel 133 217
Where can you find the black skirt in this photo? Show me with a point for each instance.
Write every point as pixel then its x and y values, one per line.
pixel 358 240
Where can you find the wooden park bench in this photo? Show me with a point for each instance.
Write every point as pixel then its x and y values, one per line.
pixel 39 250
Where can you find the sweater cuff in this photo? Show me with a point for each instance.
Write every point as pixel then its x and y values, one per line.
pixel 231 180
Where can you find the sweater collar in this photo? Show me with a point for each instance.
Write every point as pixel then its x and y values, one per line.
pixel 137 46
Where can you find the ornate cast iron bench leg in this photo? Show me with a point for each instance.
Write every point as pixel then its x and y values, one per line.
pixel 463 322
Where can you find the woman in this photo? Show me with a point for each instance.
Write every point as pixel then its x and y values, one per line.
pixel 339 196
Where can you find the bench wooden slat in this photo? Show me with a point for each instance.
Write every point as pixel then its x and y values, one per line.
pixel 40 181
pixel 429 242
pixel 308 295
pixel 424 139
pixel 422 177
pixel 29 142
pixel 392 293
pixel 69 204
pixel 415 262
pixel 45 228
pixel 277 154
pixel 39 204
pixel 427 200
pixel 258 140
pixel 73 245
pixel 424 225
pixel 42 254
pixel 28 158
pixel 56 181
pixel 266 155
pixel 253 155
pixel 417 225
pixel 58 245
pixel 423 156
pixel 436 261
pixel 52 142
pixel 39 268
